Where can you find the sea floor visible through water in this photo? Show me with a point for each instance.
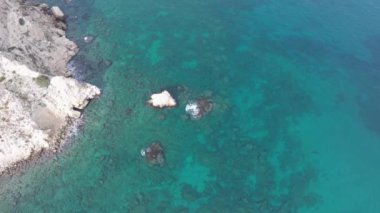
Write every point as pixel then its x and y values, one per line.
pixel 294 128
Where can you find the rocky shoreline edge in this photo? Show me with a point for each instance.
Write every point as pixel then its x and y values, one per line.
pixel 39 101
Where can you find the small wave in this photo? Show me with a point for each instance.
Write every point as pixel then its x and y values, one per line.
pixel 72 131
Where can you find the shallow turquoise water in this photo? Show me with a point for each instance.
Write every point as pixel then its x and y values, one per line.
pixel 295 127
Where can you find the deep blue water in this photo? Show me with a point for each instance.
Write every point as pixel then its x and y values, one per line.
pixel 294 128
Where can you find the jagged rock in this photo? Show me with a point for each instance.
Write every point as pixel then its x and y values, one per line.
pixel 161 100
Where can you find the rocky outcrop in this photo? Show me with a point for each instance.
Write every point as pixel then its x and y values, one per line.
pixel 57 13
pixel 37 99
pixel 161 100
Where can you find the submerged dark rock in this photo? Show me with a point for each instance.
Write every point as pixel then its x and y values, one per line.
pixel 105 63
pixel 154 154
pixel 189 193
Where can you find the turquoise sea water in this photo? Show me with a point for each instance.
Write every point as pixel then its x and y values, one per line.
pixel 295 125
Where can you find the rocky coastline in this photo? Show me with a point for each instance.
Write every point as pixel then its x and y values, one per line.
pixel 39 100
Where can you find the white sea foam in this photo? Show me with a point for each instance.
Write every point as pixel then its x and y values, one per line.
pixel 192 108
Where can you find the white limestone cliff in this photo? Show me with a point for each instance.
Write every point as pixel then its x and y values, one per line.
pixel 33 114
pixel 38 102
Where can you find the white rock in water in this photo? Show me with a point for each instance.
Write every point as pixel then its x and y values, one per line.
pixel 163 99
pixel 57 12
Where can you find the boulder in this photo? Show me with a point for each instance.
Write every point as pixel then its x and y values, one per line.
pixel 57 13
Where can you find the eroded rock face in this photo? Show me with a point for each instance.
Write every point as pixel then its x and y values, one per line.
pixel 161 100
pixel 67 96
pixel 37 103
